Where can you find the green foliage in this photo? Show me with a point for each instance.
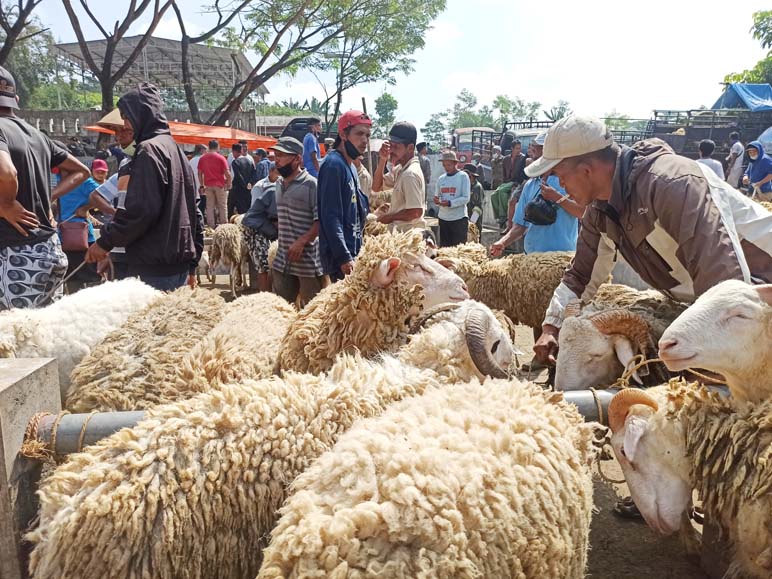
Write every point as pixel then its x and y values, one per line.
pixel 762 71
pixel 386 111
pixel 435 132
pixel 66 95
pixel 514 109
pixel 31 61
pixel 562 109
pixel 617 121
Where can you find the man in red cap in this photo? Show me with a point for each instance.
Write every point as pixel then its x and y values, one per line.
pixel 342 206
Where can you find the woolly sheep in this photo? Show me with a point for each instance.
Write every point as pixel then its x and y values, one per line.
pixel 370 310
pixel 228 248
pixel 766 204
pixel 204 268
pixel 674 438
pixel 478 480
pixel 124 371
pixel 598 344
pixel 192 490
pixel 374 227
pixel 727 330
pixel 69 328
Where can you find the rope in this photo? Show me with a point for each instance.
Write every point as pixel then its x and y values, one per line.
pixel 598 405
pixel 55 430
pixel 83 431
pixel 602 474
pixel 640 361
pixel 31 446
pixel 54 289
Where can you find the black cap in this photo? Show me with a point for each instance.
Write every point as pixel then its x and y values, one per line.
pixel 7 90
pixel 288 145
pixel 403 133
pixel 471 169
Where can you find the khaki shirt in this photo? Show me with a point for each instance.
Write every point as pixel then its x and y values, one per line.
pixel 409 193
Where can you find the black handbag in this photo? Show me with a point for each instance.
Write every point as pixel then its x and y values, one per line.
pixel 540 211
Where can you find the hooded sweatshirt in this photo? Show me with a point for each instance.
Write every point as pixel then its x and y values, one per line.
pixel 679 226
pixel 160 226
pixel 759 168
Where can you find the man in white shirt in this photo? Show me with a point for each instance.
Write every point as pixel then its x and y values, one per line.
pixel 453 192
pixel 706 157
pixel 735 160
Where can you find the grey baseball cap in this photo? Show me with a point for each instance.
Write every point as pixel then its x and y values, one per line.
pixel 7 90
pixel 288 145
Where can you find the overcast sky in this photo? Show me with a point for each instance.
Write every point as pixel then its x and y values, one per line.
pixel 598 55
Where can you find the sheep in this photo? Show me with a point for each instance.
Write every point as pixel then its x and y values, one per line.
pixel 69 328
pixel 272 249
pixel 598 344
pixel 766 204
pixel 519 285
pixel 727 330
pixel 124 371
pixel 204 268
pixel 473 233
pixel 227 247
pixel 478 480
pixel 378 198
pixel 374 227
pixel 674 438
pixel 370 310
pixel 183 492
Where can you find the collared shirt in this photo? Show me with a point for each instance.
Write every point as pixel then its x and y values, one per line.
pixel 311 145
pixel 558 236
pixel 409 193
pixel 296 208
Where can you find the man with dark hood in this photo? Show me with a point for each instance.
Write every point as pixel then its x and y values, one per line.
pixel 243 170
pixel 759 172
pixel 160 226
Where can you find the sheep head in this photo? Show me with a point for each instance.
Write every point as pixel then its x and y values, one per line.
pixel 726 331
pixel 596 349
pixel 650 447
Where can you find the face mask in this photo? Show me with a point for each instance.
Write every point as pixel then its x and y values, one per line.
pixel 285 171
pixel 753 156
pixel 351 150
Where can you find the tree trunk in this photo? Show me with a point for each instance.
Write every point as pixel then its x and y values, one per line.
pixel 187 83
pixel 108 94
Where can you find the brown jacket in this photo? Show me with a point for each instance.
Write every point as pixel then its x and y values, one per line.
pixel 680 227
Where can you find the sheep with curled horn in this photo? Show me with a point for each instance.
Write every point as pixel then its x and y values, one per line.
pixel 602 340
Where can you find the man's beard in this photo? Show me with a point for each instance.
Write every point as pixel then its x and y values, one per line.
pixel 285 170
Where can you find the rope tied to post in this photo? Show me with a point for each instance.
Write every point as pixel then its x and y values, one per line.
pixel 31 446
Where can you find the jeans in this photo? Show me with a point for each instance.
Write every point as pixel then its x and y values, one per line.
pixel 165 283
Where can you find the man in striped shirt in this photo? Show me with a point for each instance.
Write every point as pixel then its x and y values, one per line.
pixel 297 268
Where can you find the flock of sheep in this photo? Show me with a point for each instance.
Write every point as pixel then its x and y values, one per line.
pixel 379 432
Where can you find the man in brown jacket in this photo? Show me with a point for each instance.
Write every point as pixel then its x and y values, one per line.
pixel 680 227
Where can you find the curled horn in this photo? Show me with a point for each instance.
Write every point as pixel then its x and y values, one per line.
pixel 621 403
pixel 477 326
pixel 429 314
pixel 628 324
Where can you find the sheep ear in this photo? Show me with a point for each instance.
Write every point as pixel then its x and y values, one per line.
pixel 624 352
pixel 765 293
pixel 446 263
pixel 635 427
pixel 386 272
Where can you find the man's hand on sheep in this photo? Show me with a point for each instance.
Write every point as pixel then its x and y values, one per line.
pixel 546 347
pixel 95 253
pixel 497 248
pixel 347 267
pixel 295 251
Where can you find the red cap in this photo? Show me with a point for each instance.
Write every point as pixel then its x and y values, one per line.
pixel 99 165
pixel 351 118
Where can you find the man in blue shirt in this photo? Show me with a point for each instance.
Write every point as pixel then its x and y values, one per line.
pixel 341 205
pixel 311 151
pixel 262 166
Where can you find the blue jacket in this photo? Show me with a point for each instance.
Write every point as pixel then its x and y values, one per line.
pixel 759 168
pixel 342 209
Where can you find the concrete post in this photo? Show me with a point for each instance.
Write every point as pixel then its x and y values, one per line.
pixel 27 386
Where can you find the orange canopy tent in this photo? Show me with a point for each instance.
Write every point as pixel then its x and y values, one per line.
pixel 193 134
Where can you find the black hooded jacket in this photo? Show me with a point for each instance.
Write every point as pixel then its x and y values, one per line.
pixel 161 226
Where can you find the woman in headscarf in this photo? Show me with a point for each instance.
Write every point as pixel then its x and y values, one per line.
pixel 759 172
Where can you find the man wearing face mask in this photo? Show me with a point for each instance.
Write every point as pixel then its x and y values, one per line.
pixel 408 201
pixel 297 269
pixel 341 203
pixel 759 172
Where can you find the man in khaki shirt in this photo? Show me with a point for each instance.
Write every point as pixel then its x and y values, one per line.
pixel 408 201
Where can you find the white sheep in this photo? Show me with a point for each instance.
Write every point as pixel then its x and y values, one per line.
pixel 192 491
pixel 204 268
pixel 228 249
pixel 477 480
pixel 599 343
pixel 370 311
pixel 675 438
pixel 727 330
pixel 69 328
pixel 126 370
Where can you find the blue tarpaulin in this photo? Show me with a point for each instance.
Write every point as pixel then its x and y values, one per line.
pixel 755 97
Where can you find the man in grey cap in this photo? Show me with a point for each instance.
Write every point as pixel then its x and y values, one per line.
pixel 32 263
pixel 408 201
pixel 297 267
pixel 679 226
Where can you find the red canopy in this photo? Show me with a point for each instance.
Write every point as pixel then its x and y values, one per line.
pixel 193 134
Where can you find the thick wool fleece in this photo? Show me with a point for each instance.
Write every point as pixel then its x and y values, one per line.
pixel 730 446
pixel 352 315
pixel 69 328
pixel 478 480
pixel 126 370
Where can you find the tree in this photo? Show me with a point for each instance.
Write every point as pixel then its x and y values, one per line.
pixel 15 19
pixel 103 71
pixel 761 31
pixel 435 130
pixel 562 109
pixel 617 121
pixel 31 61
pixel 514 109
pixel 386 111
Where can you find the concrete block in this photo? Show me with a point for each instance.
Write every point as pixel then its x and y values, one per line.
pixel 27 386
